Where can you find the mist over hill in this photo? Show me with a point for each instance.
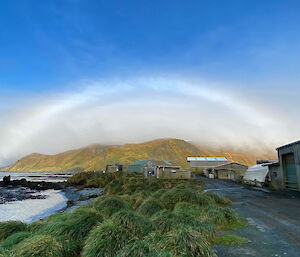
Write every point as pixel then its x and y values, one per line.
pixel 97 156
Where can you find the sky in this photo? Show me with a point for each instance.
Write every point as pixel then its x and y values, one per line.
pixel 77 72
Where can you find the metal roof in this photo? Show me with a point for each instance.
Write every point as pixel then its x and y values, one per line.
pixel 163 163
pixel 207 159
pixel 141 162
pixel 294 143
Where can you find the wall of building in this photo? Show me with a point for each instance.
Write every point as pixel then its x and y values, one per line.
pixel 276 177
pixel 295 149
pixel 168 173
pixel 149 169
pixel 135 168
pixel 231 171
pixel 198 167
pixel 205 164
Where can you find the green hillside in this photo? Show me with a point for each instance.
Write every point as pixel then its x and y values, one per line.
pixel 97 156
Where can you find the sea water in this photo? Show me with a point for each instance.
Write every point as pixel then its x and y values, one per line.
pixel 30 210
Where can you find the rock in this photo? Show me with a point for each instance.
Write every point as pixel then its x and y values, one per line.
pixel 6 180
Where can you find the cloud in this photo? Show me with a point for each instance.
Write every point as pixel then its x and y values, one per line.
pixel 138 109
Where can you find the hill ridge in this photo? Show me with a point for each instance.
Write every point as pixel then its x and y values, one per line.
pixel 97 156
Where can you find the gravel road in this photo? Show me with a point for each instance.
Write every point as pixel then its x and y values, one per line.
pixel 273 217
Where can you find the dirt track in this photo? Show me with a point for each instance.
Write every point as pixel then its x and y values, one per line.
pixel 273 216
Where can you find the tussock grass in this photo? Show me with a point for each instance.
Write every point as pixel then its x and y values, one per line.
pixel 10 227
pixel 230 239
pixel 194 210
pixel 136 199
pixel 141 249
pixel 159 193
pixel 150 207
pixel 235 225
pixel 39 245
pixel 4 253
pixel 137 225
pixel 106 240
pixel 230 215
pixel 134 217
pixel 222 216
pixel 109 204
pixel 216 215
pixel 74 225
pixel 36 226
pixel 167 220
pixel 189 195
pixel 14 239
pixel 186 243
pixel 218 199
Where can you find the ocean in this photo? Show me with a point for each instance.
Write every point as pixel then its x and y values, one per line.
pixel 30 210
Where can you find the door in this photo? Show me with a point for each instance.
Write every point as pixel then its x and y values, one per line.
pixel 290 171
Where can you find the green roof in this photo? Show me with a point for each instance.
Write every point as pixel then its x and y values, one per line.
pixel 139 162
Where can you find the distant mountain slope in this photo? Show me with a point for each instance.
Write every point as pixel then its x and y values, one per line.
pixel 97 156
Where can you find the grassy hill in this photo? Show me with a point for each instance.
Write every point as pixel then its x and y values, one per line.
pixel 98 156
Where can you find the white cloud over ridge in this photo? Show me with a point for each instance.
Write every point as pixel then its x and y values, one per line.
pixel 139 109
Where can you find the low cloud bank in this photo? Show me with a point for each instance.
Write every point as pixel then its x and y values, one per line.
pixel 138 109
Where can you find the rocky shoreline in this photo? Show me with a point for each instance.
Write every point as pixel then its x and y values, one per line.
pixel 19 190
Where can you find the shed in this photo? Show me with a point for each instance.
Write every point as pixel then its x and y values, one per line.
pixel 199 164
pixel 154 168
pixel 234 171
pixel 288 176
pixel 275 175
pixel 116 167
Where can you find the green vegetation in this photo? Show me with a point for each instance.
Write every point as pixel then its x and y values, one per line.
pixel 106 240
pixel 39 245
pixel 10 227
pixel 150 207
pixel 187 243
pixel 235 225
pixel 134 217
pixel 230 239
pixel 14 239
pixel 141 248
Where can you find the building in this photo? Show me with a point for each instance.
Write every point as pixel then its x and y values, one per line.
pixel 275 175
pixel 234 171
pixel 173 174
pixel 116 167
pixel 199 164
pixel 286 174
pixel 159 169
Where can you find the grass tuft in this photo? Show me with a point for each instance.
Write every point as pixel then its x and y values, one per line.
pixel 14 239
pixel 39 245
pixel 230 239
pixel 186 243
pixel 141 249
pixel 218 199
pixel 105 240
pixel 235 225
pixel 74 225
pixel 188 195
pixel 10 227
pixel 109 204
pixel 150 207
pixel 137 225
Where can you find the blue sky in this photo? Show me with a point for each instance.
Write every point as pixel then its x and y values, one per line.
pixel 231 55
pixel 47 44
